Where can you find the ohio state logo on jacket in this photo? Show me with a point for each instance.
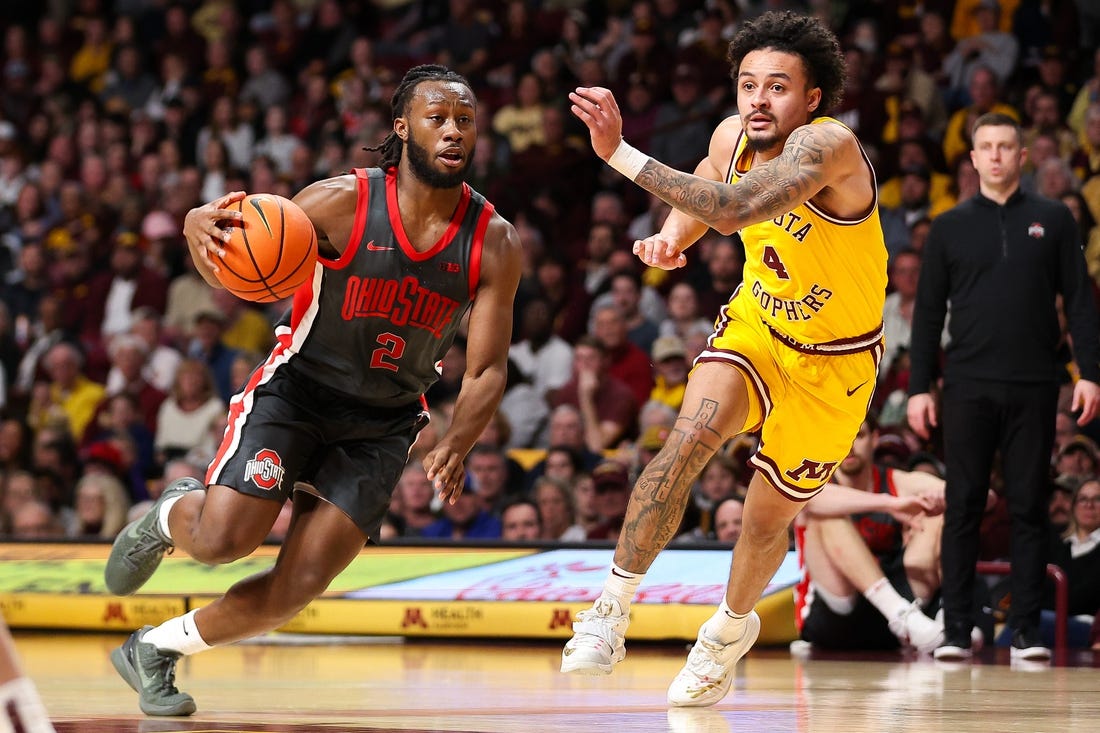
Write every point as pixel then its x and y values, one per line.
pixel 265 469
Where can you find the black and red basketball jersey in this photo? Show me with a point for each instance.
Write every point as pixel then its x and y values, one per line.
pixel 376 323
pixel 880 530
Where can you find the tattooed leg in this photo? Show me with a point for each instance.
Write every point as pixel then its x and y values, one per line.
pixel 762 545
pixel 661 494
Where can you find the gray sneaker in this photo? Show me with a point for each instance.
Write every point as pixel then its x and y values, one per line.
pixel 140 546
pixel 152 675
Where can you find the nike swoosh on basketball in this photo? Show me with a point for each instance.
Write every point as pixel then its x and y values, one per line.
pixel 372 247
pixel 855 389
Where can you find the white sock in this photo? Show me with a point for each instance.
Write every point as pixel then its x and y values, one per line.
pixel 31 716
pixel 725 626
pixel 883 597
pixel 179 634
pixel 164 511
pixel 840 605
pixel 621 585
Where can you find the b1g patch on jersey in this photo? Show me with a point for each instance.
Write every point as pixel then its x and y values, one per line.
pixel 265 470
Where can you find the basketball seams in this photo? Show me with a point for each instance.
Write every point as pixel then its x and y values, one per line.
pixel 226 265
pixel 260 286
pixel 252 255
pixel 308 254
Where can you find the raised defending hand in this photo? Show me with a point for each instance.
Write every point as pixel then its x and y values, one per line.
pixel 596 108
pixel 201 230
pixel 657 251
pixel 446 471
pixel 921 412
pixel 1086 398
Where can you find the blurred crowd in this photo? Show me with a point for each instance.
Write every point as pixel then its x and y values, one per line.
pixel 117 361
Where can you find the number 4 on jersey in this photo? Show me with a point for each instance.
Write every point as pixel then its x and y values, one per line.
pixel 772 262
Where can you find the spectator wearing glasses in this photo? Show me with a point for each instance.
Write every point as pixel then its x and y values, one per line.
pixel 1077 552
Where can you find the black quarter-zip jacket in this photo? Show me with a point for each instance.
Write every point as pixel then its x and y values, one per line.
pixel 1000 269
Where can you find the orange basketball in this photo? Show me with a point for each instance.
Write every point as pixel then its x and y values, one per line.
pixel 271 250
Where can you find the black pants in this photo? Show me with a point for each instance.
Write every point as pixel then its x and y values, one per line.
pixel 980 417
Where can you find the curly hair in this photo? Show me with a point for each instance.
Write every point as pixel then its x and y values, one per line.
pixel 391 147
pixel 802 35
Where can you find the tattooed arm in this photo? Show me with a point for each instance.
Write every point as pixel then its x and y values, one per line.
pixel 817 160
pixel 811 159
pixel 665 248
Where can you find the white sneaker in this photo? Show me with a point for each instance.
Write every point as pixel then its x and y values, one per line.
pixel 706 677
pixel 598 641
pixel 915 629
pixel 1028 646
pixel 977 638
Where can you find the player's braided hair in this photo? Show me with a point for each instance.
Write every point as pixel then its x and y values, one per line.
pixel 392 146
pixel 803 35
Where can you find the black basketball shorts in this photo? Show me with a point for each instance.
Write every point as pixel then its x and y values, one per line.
pixel 864 629
pixel 290 430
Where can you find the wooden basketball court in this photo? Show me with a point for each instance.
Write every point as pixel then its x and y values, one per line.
pixel 315 684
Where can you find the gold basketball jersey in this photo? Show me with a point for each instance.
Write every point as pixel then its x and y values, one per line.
pixel 816 279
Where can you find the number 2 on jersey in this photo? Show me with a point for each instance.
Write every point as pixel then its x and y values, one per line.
pixel 390 349
pixel 772 262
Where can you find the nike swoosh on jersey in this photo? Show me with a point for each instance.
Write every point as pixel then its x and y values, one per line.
pixel 372 247
pixel 855 389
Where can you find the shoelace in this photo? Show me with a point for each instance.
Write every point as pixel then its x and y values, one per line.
pixel 149 539
pixel 900 626
pixel 162 667
pixel 701 661
pixel 592 622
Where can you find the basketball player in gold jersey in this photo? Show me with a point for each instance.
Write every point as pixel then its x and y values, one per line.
pixel 795 351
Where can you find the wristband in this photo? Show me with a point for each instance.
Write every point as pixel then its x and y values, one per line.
pixel 628 160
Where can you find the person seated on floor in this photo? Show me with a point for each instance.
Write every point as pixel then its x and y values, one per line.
pixel 870 547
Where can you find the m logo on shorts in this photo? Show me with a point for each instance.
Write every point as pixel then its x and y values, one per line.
pixel 265 469
pixel 813 470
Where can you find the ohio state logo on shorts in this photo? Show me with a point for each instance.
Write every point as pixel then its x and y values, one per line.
pixel 265 469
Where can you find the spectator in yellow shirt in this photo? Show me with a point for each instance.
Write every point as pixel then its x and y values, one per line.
pixel 69 396
pixel 983 99
pixel 670 370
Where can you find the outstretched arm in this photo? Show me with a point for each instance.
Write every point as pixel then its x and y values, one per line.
pixel 841 501
pixel 665 249
pixel 813 157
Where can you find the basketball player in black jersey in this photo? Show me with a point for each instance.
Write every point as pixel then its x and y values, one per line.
pixel 406 250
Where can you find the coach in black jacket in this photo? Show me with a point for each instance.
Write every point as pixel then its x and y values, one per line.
pixel 1000 260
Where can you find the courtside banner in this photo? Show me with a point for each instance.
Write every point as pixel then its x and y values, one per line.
pixel 395 591
pixel 683 576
